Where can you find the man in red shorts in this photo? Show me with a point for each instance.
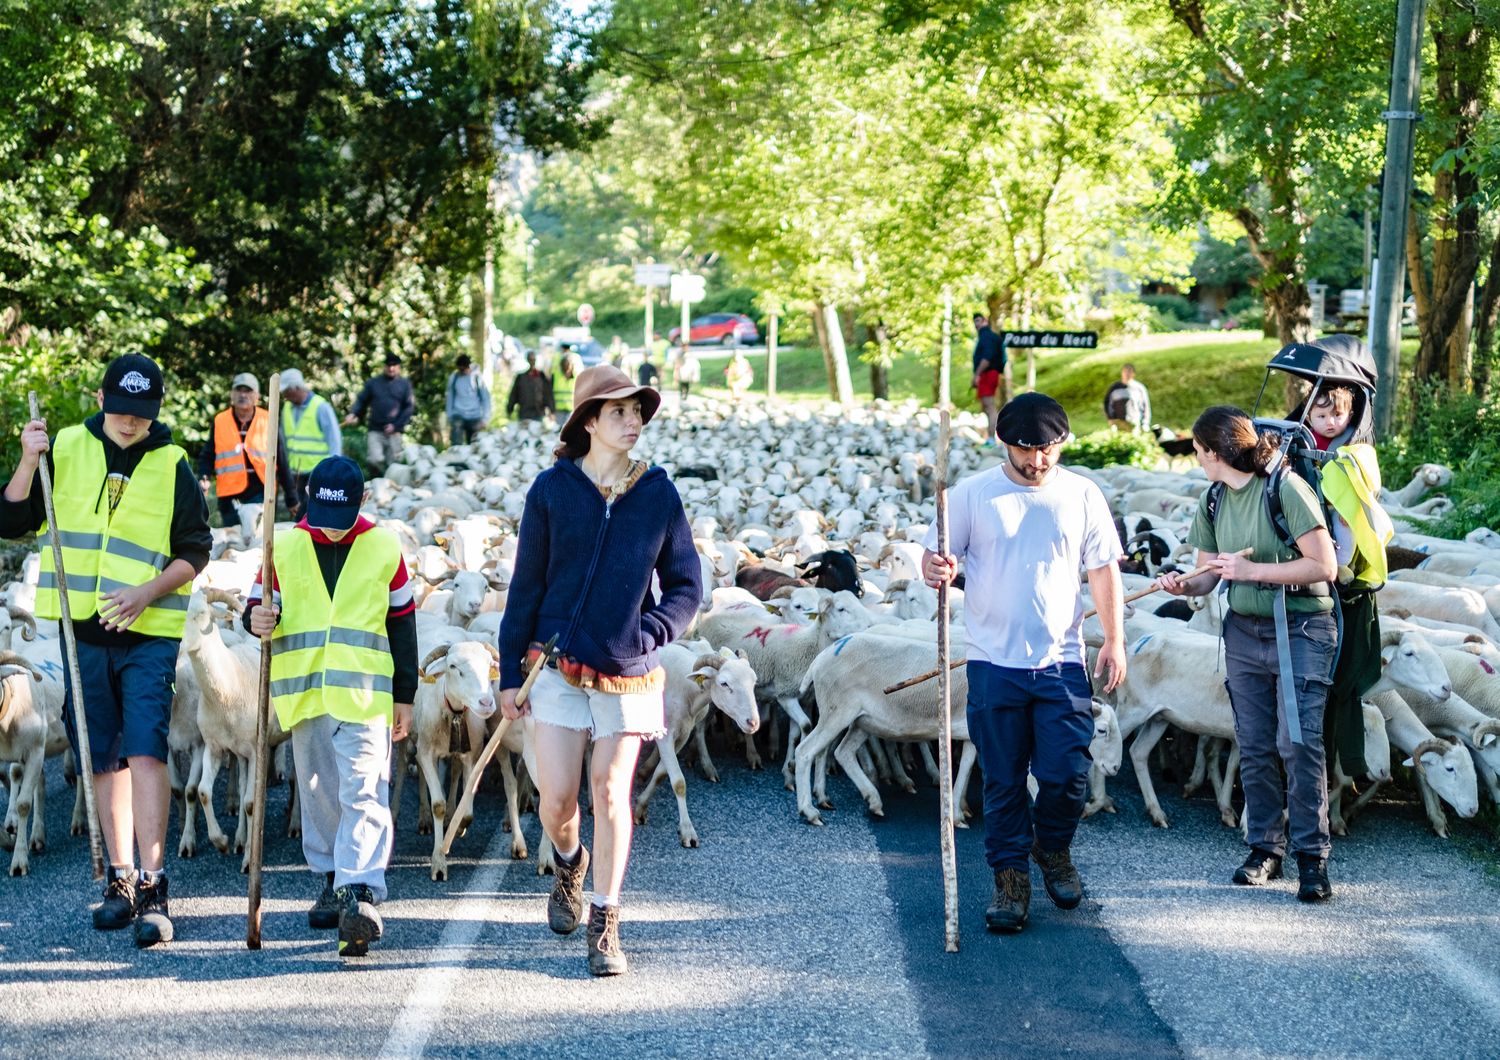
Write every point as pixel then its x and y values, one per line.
pixel 989 363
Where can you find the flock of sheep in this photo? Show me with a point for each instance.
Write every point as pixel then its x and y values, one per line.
pixel 808 523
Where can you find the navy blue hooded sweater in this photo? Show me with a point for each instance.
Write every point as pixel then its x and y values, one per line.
pixel 583 571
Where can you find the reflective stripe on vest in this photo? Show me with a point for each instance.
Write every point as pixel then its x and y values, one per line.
pixel 104 552
pixel 331 656
pixel 233 459
pixel 305 444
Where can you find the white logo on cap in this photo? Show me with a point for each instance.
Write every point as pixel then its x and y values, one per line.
pixel 326 494
pixel 135 382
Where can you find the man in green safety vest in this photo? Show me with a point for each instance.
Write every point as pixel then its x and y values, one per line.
pixel 309 429
pixel 133 527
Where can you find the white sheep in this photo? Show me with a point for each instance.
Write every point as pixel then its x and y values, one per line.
pixel 12 618
pixel 698 679
pixel 1443 767
pixel 24 714
pixel 1426 477
pixel 1446 604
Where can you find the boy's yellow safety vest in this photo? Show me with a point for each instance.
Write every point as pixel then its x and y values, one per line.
pixel 103 551
pixel 331 656
pixel 1351 485
pixel 305 444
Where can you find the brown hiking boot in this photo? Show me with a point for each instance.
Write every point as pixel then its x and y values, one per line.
pixel 565 903
pixel 605 955
pixel 1064 885
pixel 1007 911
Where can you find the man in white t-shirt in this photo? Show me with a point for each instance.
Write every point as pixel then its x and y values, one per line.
pixel 1024 530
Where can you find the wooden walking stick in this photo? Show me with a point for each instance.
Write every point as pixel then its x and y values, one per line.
pixel 257 821
pixel 70 644
pixel 493 744
pixel 1153 587
pixel 945 716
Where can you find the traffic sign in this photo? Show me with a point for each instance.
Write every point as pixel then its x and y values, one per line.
pixel 687 287
pixel 653 275
pixel 1078 340
pixel 585 314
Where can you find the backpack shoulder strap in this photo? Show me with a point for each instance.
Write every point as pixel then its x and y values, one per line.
pixel 1215 497
pixel 1274 482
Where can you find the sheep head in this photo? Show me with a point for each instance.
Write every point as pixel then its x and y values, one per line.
pixel 230 598
pixel 28 623
pixel 12 663
pixel 1436 746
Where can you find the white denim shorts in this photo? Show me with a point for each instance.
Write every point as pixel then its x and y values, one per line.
pixel 600 714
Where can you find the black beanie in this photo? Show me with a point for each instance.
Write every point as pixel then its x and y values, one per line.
pixel 1032 421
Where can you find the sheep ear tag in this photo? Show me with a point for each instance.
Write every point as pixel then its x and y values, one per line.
pixel 494 673
pixel 700 677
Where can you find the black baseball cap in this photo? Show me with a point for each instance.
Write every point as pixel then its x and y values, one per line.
pixel 391 359
pixel 1032 421
pixel 133 386
pixel 334 491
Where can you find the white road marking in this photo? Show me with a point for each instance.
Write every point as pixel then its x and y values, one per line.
pixel 1481 989
pixel 430 992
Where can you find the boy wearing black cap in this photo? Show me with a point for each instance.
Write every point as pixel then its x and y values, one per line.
pixel 134 532
pixel 1023 530
pixel 389 402
pixel 343 675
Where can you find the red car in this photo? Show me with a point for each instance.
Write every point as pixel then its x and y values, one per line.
pixel 728 329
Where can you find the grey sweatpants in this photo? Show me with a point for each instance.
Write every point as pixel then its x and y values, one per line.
pixel 1261 729
pixel 343 782
pixel 382 450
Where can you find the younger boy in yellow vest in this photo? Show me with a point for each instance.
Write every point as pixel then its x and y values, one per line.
pixel 343 674
pixel 134 532
pixel 235 454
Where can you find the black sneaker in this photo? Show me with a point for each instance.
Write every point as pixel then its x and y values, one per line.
pixel 153 924
pixel 1064 885
pixel 1007 911
pixel 324 914
pixel 118 908
pixel 359 920
pixel 1260 868
pixel 1312 879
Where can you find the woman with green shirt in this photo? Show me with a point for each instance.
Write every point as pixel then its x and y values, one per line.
pixel 1272 574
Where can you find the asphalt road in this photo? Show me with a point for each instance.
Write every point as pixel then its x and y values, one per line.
pixel 776 938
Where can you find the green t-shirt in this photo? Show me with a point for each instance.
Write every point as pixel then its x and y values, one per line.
pixel 1244 523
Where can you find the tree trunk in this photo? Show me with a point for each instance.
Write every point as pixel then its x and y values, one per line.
pixel 1462 84
pixel 820 329
pixel 843 386
pixel 1487 324
pixel 880 364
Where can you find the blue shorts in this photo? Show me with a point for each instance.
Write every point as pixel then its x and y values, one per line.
pixel 127 699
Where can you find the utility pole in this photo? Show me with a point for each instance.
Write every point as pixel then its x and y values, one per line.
pixel 1395 195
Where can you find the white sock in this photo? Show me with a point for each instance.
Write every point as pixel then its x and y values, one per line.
pixel 604 901
pixel 570 857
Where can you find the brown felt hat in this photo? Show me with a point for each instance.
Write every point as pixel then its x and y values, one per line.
pixel 593 387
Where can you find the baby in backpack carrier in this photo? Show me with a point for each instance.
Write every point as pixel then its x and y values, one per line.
pixel 1329 418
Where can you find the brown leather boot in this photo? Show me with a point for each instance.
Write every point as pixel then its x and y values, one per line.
pixel 1007 911
pixel 565 903
pixel 1064 885
pixel 605 955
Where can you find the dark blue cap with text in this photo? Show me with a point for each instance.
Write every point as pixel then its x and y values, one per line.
pixel 334 492
pixel 133 386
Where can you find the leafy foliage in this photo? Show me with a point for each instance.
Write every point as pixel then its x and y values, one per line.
pixel 1110 447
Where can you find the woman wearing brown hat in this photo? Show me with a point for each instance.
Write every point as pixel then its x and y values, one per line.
pixel 597 525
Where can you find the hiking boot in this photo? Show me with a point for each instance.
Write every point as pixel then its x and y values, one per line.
pixel 153 924
pixel 359 920
pixel 1007 911
pixel 605 955
pixel 565 903
pixel 1259 868
pixel 1064 885
pixel 324 914
pixel 1312 879
pixel 118 908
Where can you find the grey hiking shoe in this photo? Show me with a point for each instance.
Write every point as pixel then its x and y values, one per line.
pixel 359 920
pixel 605 955
pixel 565 903
pixel 1059 876
pixel 324 914
pixel 118 908
pixel 1007 911
pixel 153 923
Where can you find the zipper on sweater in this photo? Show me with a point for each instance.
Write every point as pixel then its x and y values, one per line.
pixel 588 578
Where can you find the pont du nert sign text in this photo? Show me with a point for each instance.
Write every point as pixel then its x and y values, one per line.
pixel 1069 340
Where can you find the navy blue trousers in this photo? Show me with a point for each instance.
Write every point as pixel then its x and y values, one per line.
pixel 1036 720
pixel 127 700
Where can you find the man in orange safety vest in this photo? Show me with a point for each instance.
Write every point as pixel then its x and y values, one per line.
pixel 235 454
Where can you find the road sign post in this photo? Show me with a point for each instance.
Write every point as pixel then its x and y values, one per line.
pixel 651 276
pixel 687 288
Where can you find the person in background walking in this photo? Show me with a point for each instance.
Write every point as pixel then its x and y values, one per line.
pixel 235 454
pixel 1127 404
pixel 309 427
pixel 648 374
pixel 1258 655
pixel 607 685
pixel 1024 530
pixel 616 351
pixel 134 532
pixel 689 371
pixel 468 405
pixel 738 375
pixel 531 395
pixel 348 612
pixel 389 402
pixel 989 363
